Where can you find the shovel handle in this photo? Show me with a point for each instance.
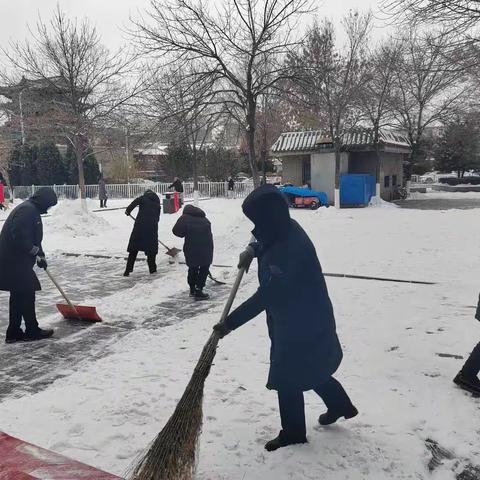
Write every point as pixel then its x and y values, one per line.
pixel 64 295
pixel 160 242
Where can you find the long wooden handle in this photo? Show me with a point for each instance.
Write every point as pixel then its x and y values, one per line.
pixel 64 295
pixel 160 242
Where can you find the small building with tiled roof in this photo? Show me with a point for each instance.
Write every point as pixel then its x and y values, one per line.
pixel 308 157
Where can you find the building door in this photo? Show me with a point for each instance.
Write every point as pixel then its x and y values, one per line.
pixel 306 171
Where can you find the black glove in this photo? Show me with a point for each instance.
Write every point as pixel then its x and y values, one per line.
pixel 127 213
pixel 221 329
pixel 41 262
pixel 246 257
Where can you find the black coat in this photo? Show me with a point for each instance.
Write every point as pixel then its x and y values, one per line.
pixel 102 190
pixel 21 234
pixel 144 237
pixel 177 185
pixel 194 226
pixel 231 184
pixel 305 349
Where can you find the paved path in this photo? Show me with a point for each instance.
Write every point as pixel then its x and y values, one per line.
pixel 440 203
pixel 27 368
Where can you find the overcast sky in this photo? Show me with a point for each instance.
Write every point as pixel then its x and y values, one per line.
pixel 112 16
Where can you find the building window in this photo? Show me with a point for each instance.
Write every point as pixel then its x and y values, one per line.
pixel 386 181
pixel 394 180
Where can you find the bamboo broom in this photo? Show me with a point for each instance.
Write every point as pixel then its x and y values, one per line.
pixel 172 455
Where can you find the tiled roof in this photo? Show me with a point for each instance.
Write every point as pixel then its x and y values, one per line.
pixel 313 139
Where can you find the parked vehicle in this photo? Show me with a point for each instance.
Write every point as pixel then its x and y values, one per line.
pixel 304 197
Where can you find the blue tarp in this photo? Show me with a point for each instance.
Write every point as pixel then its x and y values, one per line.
pixel 305 192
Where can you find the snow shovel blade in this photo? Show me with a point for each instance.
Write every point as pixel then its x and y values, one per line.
pixel 82 313
pixel 173 252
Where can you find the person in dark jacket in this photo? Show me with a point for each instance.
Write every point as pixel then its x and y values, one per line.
pixel 20 247
pixel 231 187
pixel 305 350
pixel 467 378
pixel 102 193
pixel 194 226
pixel 178 187
pixel 144 237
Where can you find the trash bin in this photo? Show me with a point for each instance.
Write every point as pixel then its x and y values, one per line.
pixel 356 190
pixel 168 203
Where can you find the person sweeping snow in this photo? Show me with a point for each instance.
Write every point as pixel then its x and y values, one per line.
pixel 467 378
pixel 305 350
pixel 195 227
pixel 20 247
pixel 144 237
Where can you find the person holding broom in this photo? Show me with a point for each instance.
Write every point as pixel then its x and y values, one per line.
pixel 195 227
pixel 144 237
pixel 20 248
pixel 305 350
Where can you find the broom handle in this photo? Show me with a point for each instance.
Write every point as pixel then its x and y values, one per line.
pixel 234 290
pixel 160 242
pixel 64 295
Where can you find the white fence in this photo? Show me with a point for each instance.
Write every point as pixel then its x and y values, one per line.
pixel 132 190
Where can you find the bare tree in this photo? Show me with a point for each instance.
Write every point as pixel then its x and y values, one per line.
pixel 69 57
pixel 330 78
pixel 428 87
pixel 375 93
pixel 230 44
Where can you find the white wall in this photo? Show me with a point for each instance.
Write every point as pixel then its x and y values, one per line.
pixel 292 169
pixel 323 174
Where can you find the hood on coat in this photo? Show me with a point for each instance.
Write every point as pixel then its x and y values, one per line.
pixel 193 211
pixel 44 198
pixel 267 208
pixel 152 196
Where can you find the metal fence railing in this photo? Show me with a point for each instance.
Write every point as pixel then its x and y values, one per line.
pixel 132 190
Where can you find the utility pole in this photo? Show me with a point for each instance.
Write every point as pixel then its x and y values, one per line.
pixel 22 124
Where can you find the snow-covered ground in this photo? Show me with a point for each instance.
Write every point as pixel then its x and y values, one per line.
pixel 106 408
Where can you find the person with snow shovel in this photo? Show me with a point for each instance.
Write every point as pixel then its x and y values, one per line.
pixel 467 378
pixel 144 237
pixel 305 350
pixel 196 229
pixel 20 247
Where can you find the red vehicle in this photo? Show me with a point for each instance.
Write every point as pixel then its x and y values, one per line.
pixel 306 202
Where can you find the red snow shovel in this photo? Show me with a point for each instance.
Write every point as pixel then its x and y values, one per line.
pixel 71 311
pixel 172 252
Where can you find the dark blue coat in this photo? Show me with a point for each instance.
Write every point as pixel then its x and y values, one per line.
pixel 21 234
pixel 195 227
pixel 305 349
pixel 144 236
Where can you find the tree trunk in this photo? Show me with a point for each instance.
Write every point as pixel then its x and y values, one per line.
pixel 251 142
pixel 81 174
pixel 195 175
pixel 337 174
pixel 378 172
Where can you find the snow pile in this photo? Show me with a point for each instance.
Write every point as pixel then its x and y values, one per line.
pixel 380 203
pixel 68 218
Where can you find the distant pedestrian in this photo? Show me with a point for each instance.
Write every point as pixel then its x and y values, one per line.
pixel 20 248
pixel 178 187
pixel 144 237
pixel 305 350
pixel 102 193
pixel 467 378
pixel 196 229
pixel 231 187
pixel 2 196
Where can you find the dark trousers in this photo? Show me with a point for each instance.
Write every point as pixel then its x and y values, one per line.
pixel 292 406
pixel 151 260
pixel 472 365
pixel 22 305
pixel 103 203
pixel 197 277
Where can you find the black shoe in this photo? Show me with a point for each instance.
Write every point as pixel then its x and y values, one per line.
pixel 192 292
pixel 201 295
pixel 126 273
pixel 38 335
pixel 17 337
pixel 283 441
pixel 153 271
pixel 470 384
pixel 331 417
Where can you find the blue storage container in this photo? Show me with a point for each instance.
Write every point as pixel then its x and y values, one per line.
pixel 356 190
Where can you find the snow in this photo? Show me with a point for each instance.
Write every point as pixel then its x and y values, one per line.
pixel 107 408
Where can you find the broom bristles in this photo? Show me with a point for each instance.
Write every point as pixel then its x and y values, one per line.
pixel 172 455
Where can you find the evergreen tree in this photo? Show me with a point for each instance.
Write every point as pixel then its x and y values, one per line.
pixel 50 166
pixel 458 147
pixel 178 162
